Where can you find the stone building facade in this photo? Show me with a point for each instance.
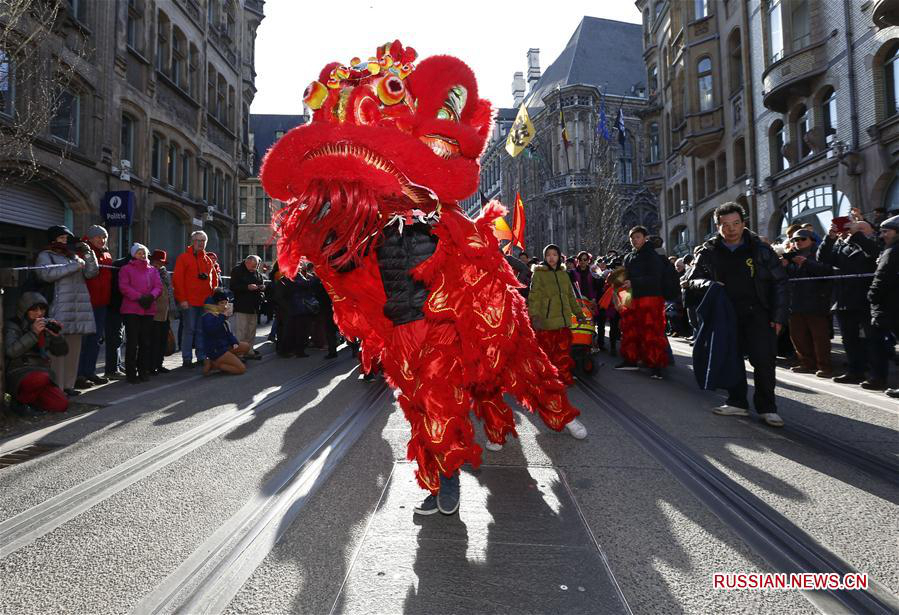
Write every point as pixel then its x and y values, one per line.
pixel 599 68
pixel 788 107
pixel 160 108
pixel 698 122
pixel 255 208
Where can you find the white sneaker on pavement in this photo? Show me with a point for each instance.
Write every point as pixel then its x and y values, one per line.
pixel 726 410
pixel 576 429
pixel 493 446
pixel 773 419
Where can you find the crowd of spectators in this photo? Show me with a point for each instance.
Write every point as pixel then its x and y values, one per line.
pixel 77 300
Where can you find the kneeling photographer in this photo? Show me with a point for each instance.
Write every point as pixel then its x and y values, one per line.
pixel 30 340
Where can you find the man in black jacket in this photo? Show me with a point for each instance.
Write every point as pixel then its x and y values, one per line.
pixel 114 326
pixel 884 293
pixel 643 323
pixel 853 252
pixel 248 286
pixel 810 319
pixel 756 283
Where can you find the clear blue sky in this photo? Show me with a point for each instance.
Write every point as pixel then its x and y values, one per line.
pixel 297 38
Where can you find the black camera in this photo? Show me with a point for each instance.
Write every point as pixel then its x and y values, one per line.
pixel 203 276
pixel 790 255
pixel 53 326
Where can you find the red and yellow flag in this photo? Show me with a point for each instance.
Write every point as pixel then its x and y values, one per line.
pixel 518 223
pixel 501 230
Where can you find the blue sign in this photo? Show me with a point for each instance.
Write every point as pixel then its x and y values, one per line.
pixel 116 208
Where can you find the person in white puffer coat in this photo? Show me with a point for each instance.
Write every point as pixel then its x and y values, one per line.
pixel 70 264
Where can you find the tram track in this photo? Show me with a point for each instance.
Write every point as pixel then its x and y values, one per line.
pixel 786 547
pixel 211 576
pixel 29 525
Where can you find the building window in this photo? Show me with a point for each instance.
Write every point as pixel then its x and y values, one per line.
pixel 226 200
pixel 7 95
pixel 710 177
pixel 829 112
pixel 192 71
pixel 626 163
pixel 229 120
pixel 704 75
pixel 217 188
pixel 262 205
pixel 802 127
pixel 243 251
pixel 700 9
pixel 134 26
pixel 735 61
pixel 65 124
pixel 653 79
pixel 185 172
pixel 156 157
pixel 179 59
pixel 775 32
pixel 816 206
pixel 210 90
pixel 171 165
pixel 205 183
pixel 220 109
pixel 722 170
pixel 242 212
pixel 700 183
pixel 78 9
pixel 779 162
pixel 891 78
pixel 126 146
pixel 163 28
pixel 654 151
pixel 799 24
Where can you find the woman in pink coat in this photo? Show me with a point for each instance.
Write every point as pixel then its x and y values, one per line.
pixel 140 285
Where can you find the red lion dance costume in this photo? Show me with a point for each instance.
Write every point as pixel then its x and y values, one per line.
pixel 372 186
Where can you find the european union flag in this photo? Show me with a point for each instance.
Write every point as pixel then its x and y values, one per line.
pixel 602 129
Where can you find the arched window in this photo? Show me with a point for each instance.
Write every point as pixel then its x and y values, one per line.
pixel 684 194
pixel 891 199
pixel 704 77
pixel 829 111
pixel 7 94
pixel 891 79
pixel 163 31
pixel 735 61
pixel 654 152
pixel 801 128
pixel 722 170
pixel 179 59
pixel 710 177
pixel 167 232
pixel 816 206
pixel 775 32
pixel 776 141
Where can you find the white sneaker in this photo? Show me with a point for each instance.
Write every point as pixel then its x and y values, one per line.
pixel 493 446
pixel 576 429
pixel 725 410
pixel 773 419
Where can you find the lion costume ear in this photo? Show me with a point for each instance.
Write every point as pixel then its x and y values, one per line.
pixel 482 118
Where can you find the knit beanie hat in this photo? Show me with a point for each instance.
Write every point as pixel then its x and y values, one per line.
pixel 96 231
pixel 139 246
pixel 55 231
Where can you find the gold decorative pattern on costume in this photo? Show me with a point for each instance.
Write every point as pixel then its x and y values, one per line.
pixel 493 315
pixel 476 241
pixel 436 430
pixel 404 368
pixel 439 299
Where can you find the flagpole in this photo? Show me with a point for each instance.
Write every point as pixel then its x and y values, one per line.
pixel 564 141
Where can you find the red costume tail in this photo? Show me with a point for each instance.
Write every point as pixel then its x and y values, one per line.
pixel 643 332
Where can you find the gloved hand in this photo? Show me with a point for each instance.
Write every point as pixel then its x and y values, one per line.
pixel 145 301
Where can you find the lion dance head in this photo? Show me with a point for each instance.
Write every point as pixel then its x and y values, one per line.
pixel 387 136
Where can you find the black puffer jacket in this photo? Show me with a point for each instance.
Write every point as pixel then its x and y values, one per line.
pixel 246 301
pixel 858 254
pixel 809 296
pixel 770 277
pixel 646 269
pixel 884 292
pixel 398 254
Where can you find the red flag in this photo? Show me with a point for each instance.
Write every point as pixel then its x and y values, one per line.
pixel 518 223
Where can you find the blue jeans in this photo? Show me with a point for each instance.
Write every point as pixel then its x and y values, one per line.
pixel 192 333
pixel 90 345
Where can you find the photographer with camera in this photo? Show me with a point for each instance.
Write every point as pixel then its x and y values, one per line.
pixel 196 277
pixel 248 287
pixel 810 317
pixel 66 264
pixel 31 341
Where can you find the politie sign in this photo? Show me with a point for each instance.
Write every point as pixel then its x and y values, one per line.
pixel 116 208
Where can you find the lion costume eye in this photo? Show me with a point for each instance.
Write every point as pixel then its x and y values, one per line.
pixel 315 95
pixel 454 104
pixel 391 90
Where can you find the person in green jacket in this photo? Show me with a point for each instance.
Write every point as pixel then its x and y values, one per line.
pixel 552 304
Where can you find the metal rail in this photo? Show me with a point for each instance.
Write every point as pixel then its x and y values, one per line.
pixel 208 580
pixel 786 547
pixel 39 520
